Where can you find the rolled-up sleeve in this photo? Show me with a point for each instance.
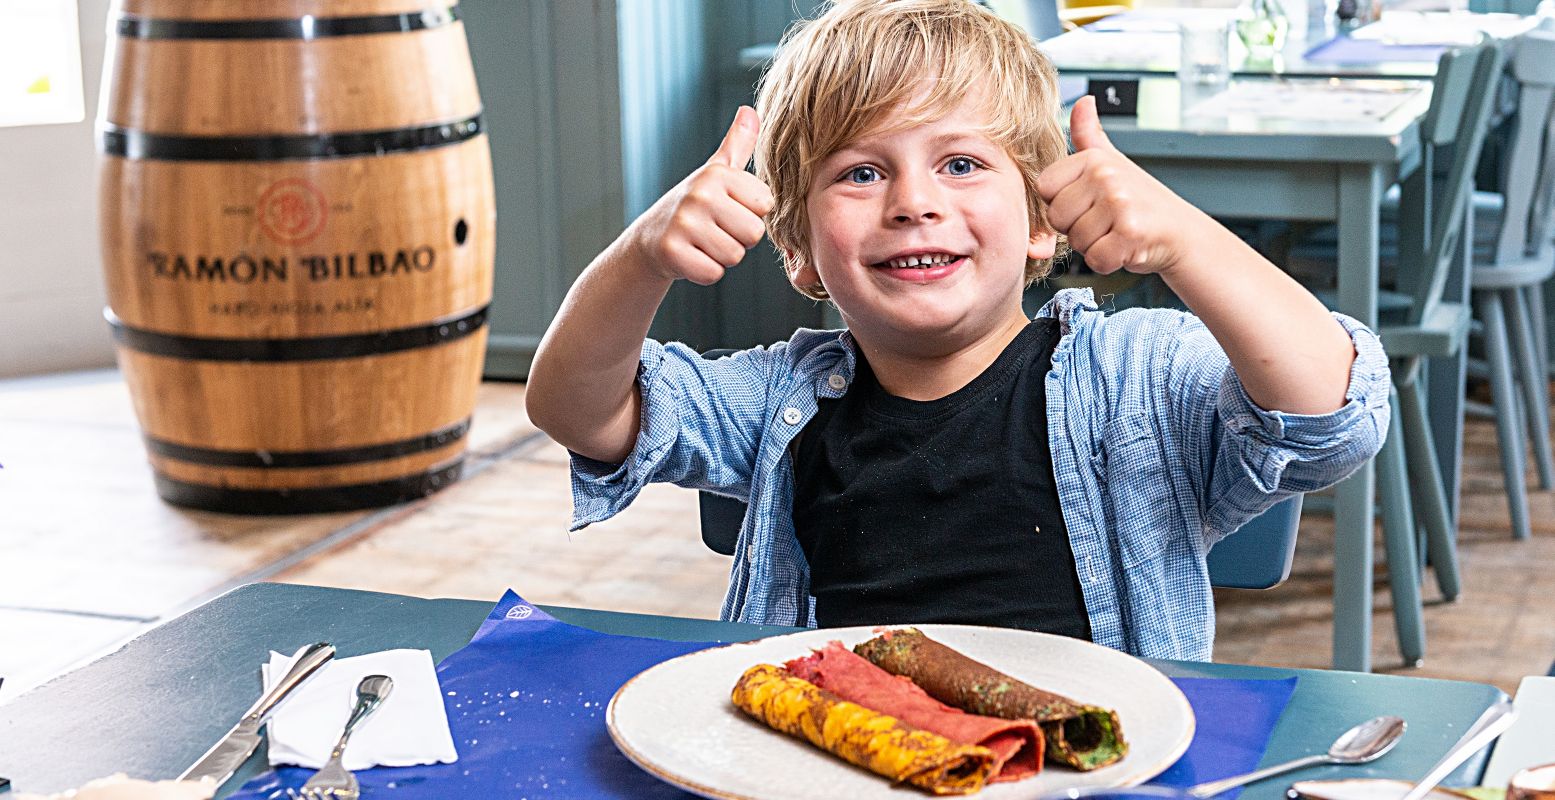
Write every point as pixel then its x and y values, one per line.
pixel 699 426
pixel 1261 456
pixel 1255 457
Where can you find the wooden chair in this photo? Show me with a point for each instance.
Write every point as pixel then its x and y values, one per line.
pixel 1431 227
pixel 1507 276
pixel 1416 324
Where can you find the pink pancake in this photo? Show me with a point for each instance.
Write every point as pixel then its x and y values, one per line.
pixel 1017 744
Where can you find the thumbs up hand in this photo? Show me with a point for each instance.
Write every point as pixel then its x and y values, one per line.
pixel 705 223
pixel 1114 213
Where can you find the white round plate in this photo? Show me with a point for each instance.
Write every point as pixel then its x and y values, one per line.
pixel 676 721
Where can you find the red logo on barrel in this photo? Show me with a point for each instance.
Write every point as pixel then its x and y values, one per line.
pixel 292 211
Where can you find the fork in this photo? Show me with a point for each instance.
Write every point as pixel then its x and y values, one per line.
pixel 333 782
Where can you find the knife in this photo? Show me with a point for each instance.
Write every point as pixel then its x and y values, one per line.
pixel 232 750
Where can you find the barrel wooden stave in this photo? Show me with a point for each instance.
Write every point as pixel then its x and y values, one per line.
pixel 280 479
pixel 274 9
pixel 310 405
pixel 208 209
pixel 430 68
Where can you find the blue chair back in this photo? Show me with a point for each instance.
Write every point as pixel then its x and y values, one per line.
pixel 1259 554
pixel 1527 179
pixel 1451 137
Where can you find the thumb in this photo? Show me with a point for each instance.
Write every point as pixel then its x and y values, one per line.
pixel 1085 127
pixel 740 142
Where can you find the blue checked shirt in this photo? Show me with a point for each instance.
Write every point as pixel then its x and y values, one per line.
pixel 1157 449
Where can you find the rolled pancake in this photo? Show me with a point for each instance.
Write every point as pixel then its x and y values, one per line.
pixel 1016 744
pixel 1084 737
pixel 862 737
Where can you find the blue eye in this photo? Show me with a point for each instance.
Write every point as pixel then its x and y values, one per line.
pixel 961 165
pixel 863 175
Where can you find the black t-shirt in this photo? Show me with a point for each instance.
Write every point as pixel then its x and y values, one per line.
pixel 943 510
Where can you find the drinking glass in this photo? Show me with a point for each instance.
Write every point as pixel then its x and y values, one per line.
pixel 1262 26
pixel 1206 53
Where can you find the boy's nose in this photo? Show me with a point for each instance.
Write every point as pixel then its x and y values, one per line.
pixel 922 216
pixel 914 199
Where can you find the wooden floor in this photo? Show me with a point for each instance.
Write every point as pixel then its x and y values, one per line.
pixel 89 556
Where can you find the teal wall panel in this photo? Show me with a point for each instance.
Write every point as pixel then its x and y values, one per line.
pixel 547 73
pixel 595 108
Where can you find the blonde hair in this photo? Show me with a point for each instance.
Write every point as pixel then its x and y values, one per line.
pixel 837 77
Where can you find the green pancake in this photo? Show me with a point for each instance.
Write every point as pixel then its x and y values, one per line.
pixel 1084 737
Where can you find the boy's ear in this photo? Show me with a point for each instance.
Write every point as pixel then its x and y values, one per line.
pixel 1042 245
pixel 801 273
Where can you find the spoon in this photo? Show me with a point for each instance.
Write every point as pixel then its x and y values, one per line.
pixel 1358 745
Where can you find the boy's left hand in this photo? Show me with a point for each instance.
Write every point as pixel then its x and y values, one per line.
pixel 1114 213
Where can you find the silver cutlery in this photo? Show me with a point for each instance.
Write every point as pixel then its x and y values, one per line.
pixel 233 749
pixel 1358 745
pixel 333 782
pixel 1490 724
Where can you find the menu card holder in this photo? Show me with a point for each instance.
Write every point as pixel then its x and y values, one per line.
pixel 1115 97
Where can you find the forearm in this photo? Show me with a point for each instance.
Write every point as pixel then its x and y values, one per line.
pixel 1289 352
pixel 582 385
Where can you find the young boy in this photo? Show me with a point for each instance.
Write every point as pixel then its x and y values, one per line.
pixel 946 459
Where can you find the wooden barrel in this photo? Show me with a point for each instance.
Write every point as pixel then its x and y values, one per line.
pixel 298 232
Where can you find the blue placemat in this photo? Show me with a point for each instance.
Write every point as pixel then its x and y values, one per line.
pixel 1348 50
pixel 526 700
pixel 1234 718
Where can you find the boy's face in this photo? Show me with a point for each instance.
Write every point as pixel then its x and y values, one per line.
pixel 942 194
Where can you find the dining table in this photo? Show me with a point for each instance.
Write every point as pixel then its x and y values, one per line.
pixel 153 706
pixel 1402 44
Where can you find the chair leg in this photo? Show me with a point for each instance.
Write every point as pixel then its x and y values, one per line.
pixel 1535 296
pixel 1508 429
pixel 1429 494
pixel 1398 536
pixel 1536 390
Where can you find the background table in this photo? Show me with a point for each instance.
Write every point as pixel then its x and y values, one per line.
pixel 1143 42
pixel 154 707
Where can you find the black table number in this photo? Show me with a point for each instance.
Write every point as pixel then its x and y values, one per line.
pixel 1115 97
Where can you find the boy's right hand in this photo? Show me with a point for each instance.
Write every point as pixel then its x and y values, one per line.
pixel 706 223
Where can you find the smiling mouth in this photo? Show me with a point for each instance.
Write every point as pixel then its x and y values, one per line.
pixel 923 261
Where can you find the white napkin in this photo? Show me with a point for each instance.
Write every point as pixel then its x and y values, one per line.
pixel 410 727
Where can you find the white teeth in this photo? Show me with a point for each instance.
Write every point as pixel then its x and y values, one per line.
pixel 920 261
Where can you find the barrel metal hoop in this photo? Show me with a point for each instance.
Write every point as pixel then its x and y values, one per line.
pixel 315 348
pixel 137 144
pixel 306 27
pixel 313 500
pixel 290 459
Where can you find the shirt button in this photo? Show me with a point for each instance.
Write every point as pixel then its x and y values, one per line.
pixel 837 382
pixel 791 416
pixel 750 552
